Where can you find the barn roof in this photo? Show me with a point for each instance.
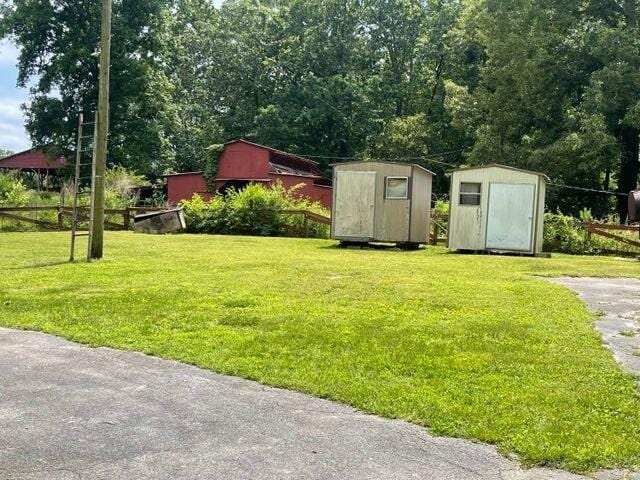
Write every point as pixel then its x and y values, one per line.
pixel 497 165
pixel 181 173
pixel 32 158
pixel 273 150
pixel 385 161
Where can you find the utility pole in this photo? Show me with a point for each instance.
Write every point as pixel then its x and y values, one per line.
pixel 102 130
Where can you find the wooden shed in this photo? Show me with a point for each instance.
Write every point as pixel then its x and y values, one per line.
pixel 495 208
pixel 381 202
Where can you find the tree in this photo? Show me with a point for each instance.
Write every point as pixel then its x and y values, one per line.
pixel 536 102
pixel 5 153
pixel 58 42
pixel 613 92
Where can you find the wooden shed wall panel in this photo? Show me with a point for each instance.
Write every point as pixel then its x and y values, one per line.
pixel 542 192
pixel 420 206
pixel 354 207
pixel 392 217
pixel 467 224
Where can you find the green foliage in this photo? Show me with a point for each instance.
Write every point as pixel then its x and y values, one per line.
pixel 5 153
pixel 548 86
pixel 469 346
pixel 211 166
pixel 121 192
pixel 13 192
pixel 565 234
pixel 254 210
pixel 58 42
pixel 121 187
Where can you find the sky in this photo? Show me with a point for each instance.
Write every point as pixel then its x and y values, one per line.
pixel 12 133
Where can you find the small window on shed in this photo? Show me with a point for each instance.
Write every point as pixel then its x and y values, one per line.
pixel 397 188
pixel 470 193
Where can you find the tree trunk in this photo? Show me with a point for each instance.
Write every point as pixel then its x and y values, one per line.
pixel 629 139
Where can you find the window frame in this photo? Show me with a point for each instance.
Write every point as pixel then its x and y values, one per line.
pixel 477 195
pixel 386 187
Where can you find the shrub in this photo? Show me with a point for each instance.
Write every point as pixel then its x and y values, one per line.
pixel 121 187
pixel 565 234
pixel 254 210
pixel 13 192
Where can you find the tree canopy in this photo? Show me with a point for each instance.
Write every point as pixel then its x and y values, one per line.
pixel 549 85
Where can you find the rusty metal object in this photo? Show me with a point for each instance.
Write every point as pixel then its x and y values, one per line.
pixel 634 206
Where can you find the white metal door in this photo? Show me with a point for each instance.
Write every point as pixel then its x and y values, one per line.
pixel 510 216
pixel 355 204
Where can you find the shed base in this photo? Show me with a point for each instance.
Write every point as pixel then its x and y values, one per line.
pixel 505 253
pixel 379 246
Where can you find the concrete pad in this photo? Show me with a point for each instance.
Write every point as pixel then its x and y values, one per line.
pixel 617 302
pixel 71 412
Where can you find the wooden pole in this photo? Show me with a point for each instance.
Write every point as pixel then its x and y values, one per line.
pixel 102 127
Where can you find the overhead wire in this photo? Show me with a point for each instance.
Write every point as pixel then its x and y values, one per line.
pixel 432 158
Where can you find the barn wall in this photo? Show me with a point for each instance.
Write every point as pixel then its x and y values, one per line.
pixel 316 193
pixel 243 161
pixel 467 224
pixel 184 186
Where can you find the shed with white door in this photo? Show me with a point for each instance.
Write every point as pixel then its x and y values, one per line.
pixel 381 202
pixel 496 208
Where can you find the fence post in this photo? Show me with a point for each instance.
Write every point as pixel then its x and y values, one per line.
pixel 60 219
pixel 127 218
pixel 306 225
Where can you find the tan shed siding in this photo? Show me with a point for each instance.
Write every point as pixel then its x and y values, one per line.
pixel 542 191
pixel 393 217
pixel 466 231
pixel 468 224
pixel 420 206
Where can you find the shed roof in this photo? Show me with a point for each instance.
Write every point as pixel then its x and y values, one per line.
pixel 497 165
pixel 385 162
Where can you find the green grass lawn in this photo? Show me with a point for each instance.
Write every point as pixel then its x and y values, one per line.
pixel 470 346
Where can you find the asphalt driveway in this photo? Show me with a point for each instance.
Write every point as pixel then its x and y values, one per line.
pixel 72 412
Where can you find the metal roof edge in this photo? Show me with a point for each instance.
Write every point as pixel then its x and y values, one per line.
pixel 498 165
pixel 385 162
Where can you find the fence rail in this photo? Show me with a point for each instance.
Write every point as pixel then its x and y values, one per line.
pixel 22 214
pixel 316 217
pixel 603 229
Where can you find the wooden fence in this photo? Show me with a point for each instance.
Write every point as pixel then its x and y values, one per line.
pixel 605 229
pixel 33 216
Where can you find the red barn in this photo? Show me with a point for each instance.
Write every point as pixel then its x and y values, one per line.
pixel 32 159
pixel 243 162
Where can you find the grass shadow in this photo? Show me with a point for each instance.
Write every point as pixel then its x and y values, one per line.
pixel 50 263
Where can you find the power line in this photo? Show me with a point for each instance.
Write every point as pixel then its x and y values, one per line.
pixel 591 190
pixel 432 158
